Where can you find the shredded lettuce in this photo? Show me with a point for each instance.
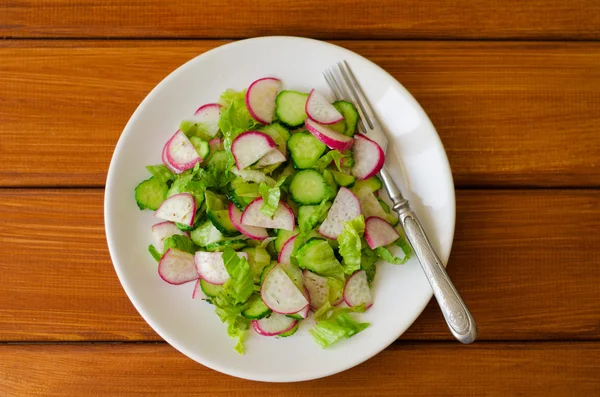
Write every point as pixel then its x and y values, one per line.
pixel 271 196
pixel 161 172
pixel 387 256
pixel 335 324
pixel 230 313
pixel 317 256
pixel 350 244
pixel 182 243
pixel 241 282
pixel 154 252
pixel 404 246
pixel 235 117
pixel 253 176
pixel 368 258
pixel 319 214
pixel 327 158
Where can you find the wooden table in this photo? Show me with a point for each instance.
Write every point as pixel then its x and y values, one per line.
pixel 513 88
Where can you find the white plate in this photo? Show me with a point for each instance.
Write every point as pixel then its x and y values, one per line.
pixel 401 292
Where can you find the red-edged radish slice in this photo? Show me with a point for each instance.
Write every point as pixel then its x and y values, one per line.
pixel 273 325
pixel 215 144
pixel 260 99
pixel 318 290
pixel 181 153
pixel 368 157
pixel 304 312
pixel 209 116
pixel 249 147
pixel 273 157
pixel 211 268
pixel 357 291
pixel 334 140
pixel 379 232
pixel 164 230
pixel 346 207
pixel 198 293
pixel 254 232
pixel 280 294
pixel 177 267
pixel 166 162
pixel 179 208
pixel 320 110
pixel 283 218
pixel 286 251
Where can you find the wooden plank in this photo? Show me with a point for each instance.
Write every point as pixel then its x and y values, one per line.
pixel 502 122
pixel 525 262
pixel 416 369
pixel 514 19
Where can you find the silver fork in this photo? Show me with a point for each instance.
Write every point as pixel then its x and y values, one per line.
pixel 458 317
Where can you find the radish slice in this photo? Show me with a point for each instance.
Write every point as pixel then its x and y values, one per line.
pixel 304 312
pixel 211 268
pixel 368 157
pixel 286 251
pixel 164 230
pixel 181 153
pixel 280 294
pixel 273 157
pixel 165 160
pixel 333 139
pixel 283 218
pixel 260 99
pixel 249 147
pixel 177 267
pixel 215 144
pixel 273 325
pixel 346 207
pixel 198 293
pixel 357 291
pixel 179 208
pixel 379 233
pixel 254 232
pixel 209 116
pixel 320 110
pixel 318 290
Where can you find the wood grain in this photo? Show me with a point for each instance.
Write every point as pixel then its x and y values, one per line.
pixel 388 19
pixel 415 369
pixel 509 114
pixel 524 261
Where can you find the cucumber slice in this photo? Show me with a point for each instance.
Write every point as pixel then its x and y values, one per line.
pixel 201 147
pixel 306 211
pixel 309 187
pixel 305 149
pixel 290 108
pixel 256 308
pixel 150 194
pixel 220 219
pixel 266 271
pixel 214 202
pixel 283 236
pixel 348 110
pixel 235 244
pixel 371 185
pixel 211 290
pixel 206 234
pixel 342 179
pixel 340 127
pixel 293 330
pixel 317 256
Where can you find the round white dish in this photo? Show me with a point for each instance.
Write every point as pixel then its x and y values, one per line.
pixel 415 155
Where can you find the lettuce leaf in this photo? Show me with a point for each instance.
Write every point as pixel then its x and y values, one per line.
pixel 368 258
pixel 182 243
pixel 334 324
pixel 319 214
pixel 350 244
pixel 317 256
pixel 241 281
pixel 327 158
pixel 154 252
pixel 230 313
pixel 235 117
pixel 161 172
pixel 387 256
pixel 271 196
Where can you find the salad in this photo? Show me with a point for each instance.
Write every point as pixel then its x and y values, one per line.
pixel 269 201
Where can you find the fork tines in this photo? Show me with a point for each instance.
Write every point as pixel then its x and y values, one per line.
pixel 344 85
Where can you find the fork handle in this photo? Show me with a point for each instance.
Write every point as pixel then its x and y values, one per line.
pixel 457 315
